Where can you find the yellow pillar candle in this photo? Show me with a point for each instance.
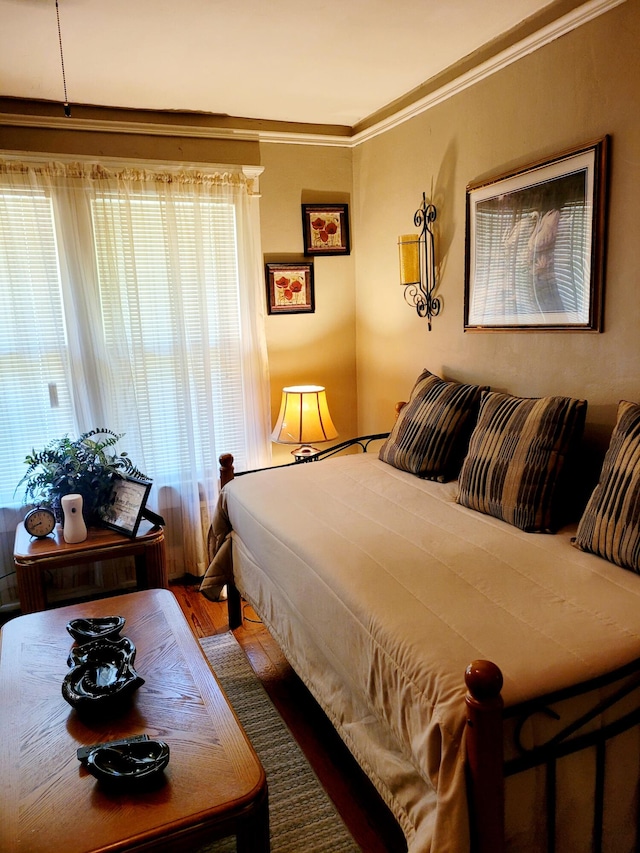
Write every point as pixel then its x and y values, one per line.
pixel 409 259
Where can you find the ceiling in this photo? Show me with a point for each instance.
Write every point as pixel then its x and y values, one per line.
pixel 278 60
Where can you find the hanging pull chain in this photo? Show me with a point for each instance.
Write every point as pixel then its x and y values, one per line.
pixel 67 108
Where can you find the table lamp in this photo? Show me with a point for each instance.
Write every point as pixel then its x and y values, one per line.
pixel 304 418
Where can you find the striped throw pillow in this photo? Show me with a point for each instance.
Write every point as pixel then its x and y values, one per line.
pixel 517 453
pixel 610 524
pixel 430 436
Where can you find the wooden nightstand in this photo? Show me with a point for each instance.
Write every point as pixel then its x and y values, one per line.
pixel 32 557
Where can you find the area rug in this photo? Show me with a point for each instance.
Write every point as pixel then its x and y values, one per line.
pixel 302 818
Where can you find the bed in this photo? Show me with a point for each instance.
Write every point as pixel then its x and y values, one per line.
pixel 484 676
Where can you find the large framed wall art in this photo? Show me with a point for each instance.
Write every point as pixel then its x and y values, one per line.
pixel 535 245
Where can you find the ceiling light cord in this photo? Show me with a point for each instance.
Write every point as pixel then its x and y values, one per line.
pixel 67 108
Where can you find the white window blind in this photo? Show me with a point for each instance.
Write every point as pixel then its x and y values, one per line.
pixel 35 399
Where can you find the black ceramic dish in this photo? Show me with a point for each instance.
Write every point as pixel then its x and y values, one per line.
pixel 134 764
pixel 101 674
pixel 100 628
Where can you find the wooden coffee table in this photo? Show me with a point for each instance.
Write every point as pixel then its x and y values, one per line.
pixel 215 785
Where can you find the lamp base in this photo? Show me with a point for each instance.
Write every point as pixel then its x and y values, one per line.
pixel 304 453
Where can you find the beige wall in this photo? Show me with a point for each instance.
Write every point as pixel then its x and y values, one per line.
pixel 316 348
pixel 576 89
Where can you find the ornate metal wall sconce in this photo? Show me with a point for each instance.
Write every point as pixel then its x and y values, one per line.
pixel 418 264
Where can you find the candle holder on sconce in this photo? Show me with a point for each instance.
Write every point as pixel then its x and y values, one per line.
pixel 418 264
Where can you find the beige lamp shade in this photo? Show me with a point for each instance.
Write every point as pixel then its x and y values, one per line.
pixel 303 418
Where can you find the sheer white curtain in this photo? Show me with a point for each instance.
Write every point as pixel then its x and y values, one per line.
pixel 135 300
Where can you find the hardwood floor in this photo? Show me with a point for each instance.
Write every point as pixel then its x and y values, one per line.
pixel 367 817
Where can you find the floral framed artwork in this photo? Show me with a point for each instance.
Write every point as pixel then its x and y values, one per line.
pixel 535 246
pixel 325 229
pixel 290 288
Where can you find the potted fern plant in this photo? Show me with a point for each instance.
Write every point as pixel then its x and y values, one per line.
pixel 86 465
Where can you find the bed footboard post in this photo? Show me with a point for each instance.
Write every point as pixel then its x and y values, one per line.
pixel 234 602
pixel 485 756
pixel 234 606
pixel 227 472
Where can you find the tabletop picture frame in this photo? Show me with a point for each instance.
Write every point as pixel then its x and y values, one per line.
pixel 290 288
pixel 127 505
pixel 535 245
pixel 325 229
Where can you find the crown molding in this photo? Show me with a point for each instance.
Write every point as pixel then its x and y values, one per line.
pixel 571 21
pixel 563 25
pixel 191 131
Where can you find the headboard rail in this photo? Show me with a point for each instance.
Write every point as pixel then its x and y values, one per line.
pixel 227 471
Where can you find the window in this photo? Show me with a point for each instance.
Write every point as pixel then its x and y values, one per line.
pixel 185 357
pixel 35 400
pixel 133 301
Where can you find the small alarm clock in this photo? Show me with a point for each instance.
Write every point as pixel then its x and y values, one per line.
pixel 40 522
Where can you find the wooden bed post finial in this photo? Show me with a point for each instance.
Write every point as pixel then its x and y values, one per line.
pixel 227 472
pixel 485 756
pixel 484 681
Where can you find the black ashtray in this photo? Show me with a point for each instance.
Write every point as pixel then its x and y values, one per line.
pixel 134 763
pixel 100 628
pixel 101 674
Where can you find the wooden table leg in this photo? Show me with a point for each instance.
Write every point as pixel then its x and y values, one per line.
pixel 31 591
pixel 151 567
pixel 253 833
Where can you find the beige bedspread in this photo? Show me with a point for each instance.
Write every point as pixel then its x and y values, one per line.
pixel 381 589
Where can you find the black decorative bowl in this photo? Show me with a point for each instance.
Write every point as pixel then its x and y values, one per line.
pixel 128 764
pixel 100 628
pixel 101 674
